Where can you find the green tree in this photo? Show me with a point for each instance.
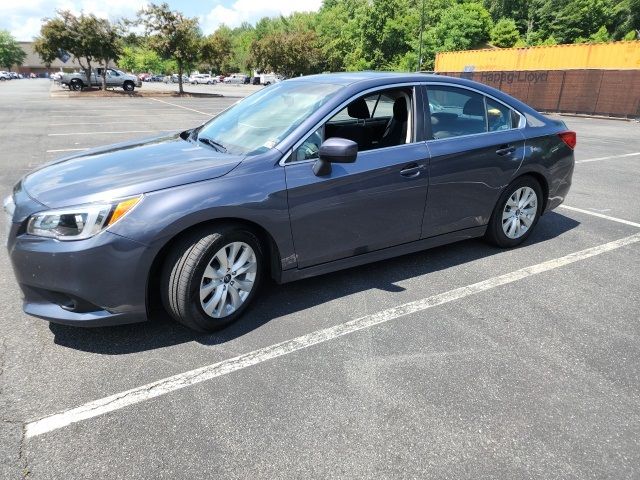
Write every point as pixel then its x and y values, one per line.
pixel 172 36
pixel 290 54
pixel 463 26
pixel 77 35
pixel 580 18
pixel 217 50
pixel 601 36
pixel 110 46
pixel 10 51
pixel 504 33
pixel 626 16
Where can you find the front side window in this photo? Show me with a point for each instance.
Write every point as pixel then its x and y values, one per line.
pixel 261 121
pixel 378 120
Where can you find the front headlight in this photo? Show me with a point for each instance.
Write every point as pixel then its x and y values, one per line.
pixel 78 223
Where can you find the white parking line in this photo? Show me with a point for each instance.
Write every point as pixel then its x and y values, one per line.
pixel 202 374
pixel 136 122
pixel 66 150
pixel 118 115
pixel 588 160
pixel 100 133
pixel 180 106
pixel 600 215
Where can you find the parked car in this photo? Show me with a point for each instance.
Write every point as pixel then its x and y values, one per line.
pixel 4 76
pixel 143 76
pixel 174 78
pixel 200 78
pixel 14 75
pixel 154 78
pixel 309 176
pixel 115 78
pixel 236 79
pixel 269 78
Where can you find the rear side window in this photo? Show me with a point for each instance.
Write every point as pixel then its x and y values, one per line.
pixel 456 112
pixel 499 116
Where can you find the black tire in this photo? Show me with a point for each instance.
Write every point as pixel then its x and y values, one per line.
pixel 495 233
pixel 184 268
pixel 128 86
pixel 76 85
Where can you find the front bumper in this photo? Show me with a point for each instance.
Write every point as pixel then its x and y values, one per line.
pixel 99 281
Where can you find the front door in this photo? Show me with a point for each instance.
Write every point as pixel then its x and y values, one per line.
pixel 376 202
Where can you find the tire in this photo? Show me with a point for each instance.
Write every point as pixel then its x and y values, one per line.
pixel 192 277
pixel 76 85
pixel 128 86
pixel 516 213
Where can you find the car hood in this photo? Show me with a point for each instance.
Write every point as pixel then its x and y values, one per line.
pixel 125 169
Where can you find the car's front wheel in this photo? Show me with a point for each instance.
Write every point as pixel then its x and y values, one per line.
pixel 128 86
pixel 210 277
pixel 516 213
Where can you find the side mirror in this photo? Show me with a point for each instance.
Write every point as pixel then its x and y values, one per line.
pixel 334 150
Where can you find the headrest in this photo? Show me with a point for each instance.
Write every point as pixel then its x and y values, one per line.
pixel 358 109
pixel 400 110
pixel 474 106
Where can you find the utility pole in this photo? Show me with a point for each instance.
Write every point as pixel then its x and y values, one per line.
pixel 421 29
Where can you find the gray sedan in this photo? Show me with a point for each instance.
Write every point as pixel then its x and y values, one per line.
pixel 302 178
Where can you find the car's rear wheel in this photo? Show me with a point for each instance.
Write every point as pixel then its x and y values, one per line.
pixel 210 277
pixel 516 213
pixel 128 86
pixel 76 85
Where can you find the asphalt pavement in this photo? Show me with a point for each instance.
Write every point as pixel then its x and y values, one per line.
pixel 405 368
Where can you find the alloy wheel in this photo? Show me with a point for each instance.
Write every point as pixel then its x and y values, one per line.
pixel 519 212
pixel 228 279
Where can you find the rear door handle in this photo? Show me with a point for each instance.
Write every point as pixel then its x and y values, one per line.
pixel 505 150
pixel 411 170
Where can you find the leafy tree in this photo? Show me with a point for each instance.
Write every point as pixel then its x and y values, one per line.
pixel 77 35
pixel 601 36
pixel 172 36
pixel 580 18
pixel 626 19
pixel 463 26
pixel 10 51
pixel 290 54
pixel 505 33
pixel 110 46
pixel 217 49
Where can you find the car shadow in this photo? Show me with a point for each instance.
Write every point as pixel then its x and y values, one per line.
pixel 280 300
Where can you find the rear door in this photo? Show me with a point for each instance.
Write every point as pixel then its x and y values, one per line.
pixel 476 148
pixel 376 202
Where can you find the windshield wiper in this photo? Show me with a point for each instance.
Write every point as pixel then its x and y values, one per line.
pixel 212 143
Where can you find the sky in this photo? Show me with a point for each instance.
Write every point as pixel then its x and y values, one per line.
pixel 23 18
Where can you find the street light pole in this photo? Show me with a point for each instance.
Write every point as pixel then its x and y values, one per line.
pixel 421 29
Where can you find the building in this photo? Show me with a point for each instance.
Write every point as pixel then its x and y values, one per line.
pixel 34 64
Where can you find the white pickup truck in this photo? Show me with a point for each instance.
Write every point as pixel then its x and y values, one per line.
pixel 115 78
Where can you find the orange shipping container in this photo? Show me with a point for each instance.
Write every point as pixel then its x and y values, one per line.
pixel 613 55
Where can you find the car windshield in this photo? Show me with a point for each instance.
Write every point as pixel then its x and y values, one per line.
pixel 261 121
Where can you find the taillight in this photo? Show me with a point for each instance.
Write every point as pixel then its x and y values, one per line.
pixel 569 138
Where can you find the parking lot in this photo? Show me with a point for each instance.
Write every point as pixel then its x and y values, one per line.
pixel 463 361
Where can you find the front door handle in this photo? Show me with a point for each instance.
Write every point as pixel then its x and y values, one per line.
pixel 505 150
pixel 411 170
